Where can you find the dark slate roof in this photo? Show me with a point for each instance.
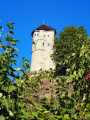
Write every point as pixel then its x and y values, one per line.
pixel 44 27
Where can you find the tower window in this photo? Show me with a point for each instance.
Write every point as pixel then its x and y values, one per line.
pixel 48 35
pixel 43 44
pixel 48 44
pixel 34 34
pixel 37 34
pixel 44 36
pixel 33 42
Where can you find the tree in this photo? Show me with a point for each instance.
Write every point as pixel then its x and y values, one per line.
pixel 12 107
pixel 69 41
pixel 16 96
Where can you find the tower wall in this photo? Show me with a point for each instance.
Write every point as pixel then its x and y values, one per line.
pixel 42 48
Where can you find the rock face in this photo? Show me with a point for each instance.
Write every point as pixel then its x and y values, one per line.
pixel 47 87
pixel 42 48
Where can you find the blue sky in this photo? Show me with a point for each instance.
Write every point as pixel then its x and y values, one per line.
pixel 29 14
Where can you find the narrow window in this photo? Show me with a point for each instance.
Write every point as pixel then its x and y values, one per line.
pixel 37 34
pixel 48 44
pixel 34 34
pixel 48 35
pixel 33 42
pixel 44 36
pixel 43 44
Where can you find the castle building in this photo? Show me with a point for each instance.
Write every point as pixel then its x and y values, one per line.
pixel 42 48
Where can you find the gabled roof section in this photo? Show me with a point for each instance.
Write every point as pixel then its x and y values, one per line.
pixel 44 27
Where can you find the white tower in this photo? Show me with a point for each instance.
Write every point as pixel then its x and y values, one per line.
pixel 42 48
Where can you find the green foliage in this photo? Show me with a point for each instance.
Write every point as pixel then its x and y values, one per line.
pixel 75 104
pixel 13 96
pixel 17 98
pixel 70 40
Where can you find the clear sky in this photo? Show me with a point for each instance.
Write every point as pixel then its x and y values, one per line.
pixel 29 14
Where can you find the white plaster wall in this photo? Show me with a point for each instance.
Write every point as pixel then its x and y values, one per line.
pixel 41 51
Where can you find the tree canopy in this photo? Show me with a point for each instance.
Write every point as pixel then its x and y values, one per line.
pixel 69 41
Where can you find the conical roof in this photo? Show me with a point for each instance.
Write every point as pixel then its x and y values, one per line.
pixel 44 27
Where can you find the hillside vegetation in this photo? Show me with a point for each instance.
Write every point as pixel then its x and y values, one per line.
pixel 44 95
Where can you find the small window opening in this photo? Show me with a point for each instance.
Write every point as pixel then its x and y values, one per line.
pixel 34 34
pixel 33 42
pixel 43 44
pixel 48 35
pixel 48 44
pixel 37 34
pixel 44 36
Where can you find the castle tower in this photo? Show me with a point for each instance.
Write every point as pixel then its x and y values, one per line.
pixel 42 48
